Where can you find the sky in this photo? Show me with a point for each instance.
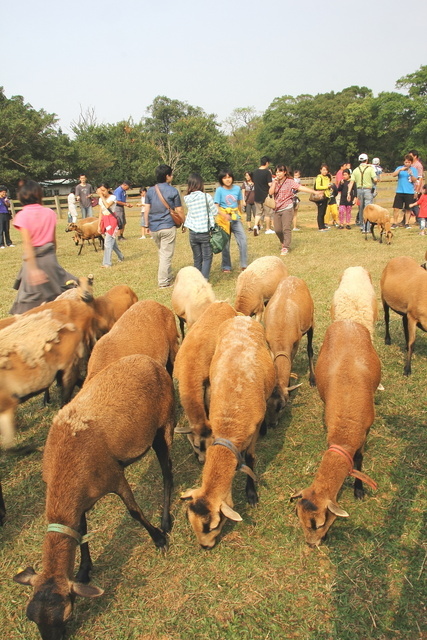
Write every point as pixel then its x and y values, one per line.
pixel 116 57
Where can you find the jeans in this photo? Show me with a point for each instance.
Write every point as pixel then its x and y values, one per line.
pixel 110 245
pixel 250 211
pixel 422 223
pixel 321 210
pixel 365 197
pixel 86 211
pixel 202 252
pixel 236 227
pixel 283 220
pixel 165 241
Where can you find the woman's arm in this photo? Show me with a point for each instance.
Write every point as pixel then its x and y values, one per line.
pixel 36 276
pixel 308 190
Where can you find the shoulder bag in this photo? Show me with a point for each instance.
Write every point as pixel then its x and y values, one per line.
pixel 218 237
pixel 176 217
pixel 316 197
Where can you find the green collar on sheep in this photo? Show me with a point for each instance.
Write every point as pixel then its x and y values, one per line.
pixel 353 472
pixel 61 528
pixel 241 466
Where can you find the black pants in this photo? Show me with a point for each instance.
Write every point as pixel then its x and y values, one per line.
pixel 4 229
pixel 321 210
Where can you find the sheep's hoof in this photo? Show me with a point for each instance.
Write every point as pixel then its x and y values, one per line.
pixel 359 494
pixel 407 371
pixel 387 340
pixel 24 450
pixel 312 382
pixel 83 575
pixel 161 542
pixel 252 498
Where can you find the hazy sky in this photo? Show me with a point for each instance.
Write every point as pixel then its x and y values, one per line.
pixel 117 56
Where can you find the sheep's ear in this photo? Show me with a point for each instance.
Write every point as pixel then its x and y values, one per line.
pixel 187 495
pixel 182 429
pixel 26 577
pixel 86 590
pixel 296 496
pixel 336 509
pixel 228 512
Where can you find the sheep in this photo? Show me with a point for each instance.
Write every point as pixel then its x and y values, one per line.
pixel 288 316
pixel 84 459
pixel 355 299
pixel 191 294
pixel 148 328
pixel 256 285
pixel 404 289
pixel 192 372
pixel 80 290
pixel 86 230
pixel 242 379
pixel 111 306
pixel 377 215
pixel 348 371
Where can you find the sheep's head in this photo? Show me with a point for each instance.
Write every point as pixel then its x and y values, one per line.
pixel 206 518
pixel 71 226
pixel 277 403
pixel 316 515
pixel 53 600
pixel 388 231
pixel 85 286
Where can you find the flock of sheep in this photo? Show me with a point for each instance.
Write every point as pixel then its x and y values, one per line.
pixel 234 374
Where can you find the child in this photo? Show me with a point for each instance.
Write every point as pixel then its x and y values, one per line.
pixel 378 171
pixel 331 216
pixel 4 219
pixel 108 224
pixel 345 209
pixel 145 233
pixel 228 198
pixel 72 209
pixel 296 200
pixel 422 214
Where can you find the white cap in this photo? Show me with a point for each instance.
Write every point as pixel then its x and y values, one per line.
pixel 375 160
pixel 363 157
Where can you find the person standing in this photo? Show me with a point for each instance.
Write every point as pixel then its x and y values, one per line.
pixel 407 177
pixel 422 215
pixel 344 209
pixel 249 198
pixel 108 224
pixel 262 181
pixel 83 196
pixel 365 178
pixel 296 201
pixel 121 203
pixel 72 209
pixel 144 232
pixel 200 219
pixel 160 222
pixel 228 198
pixel 322 182
pixel 4 219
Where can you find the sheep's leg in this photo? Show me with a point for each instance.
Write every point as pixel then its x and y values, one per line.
pixel 46 397
pixel 2 507
pixel 359 491
pixel 372 231
pixel 86 564
pixel 94 244
pixel 162 452
pixel 411 327
pixel 387 322
pixel 81 247
pixel 251 492
pixel 125 493
pixel 69 381
pixel 181 326
pixel 405 330
pixel 381 235
pixel 310 354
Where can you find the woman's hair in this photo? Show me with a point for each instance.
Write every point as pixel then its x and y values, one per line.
pixel 105 185
pixel 73 190
pixel 250 174
pixel 223 173
pixel 162 171
pixel 409 157
pixel 286 169
pixel 324 165
pixel 195 183
pixel 143 189
pixel 30 193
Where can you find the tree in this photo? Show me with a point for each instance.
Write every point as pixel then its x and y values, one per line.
pixel 416 82
pixel 244 125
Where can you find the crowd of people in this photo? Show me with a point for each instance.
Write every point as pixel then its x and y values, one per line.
pixel 266 200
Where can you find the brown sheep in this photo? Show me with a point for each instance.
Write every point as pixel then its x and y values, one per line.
pixel 348 371
pixel 147 328
pixel 84 231
pixel 289 316
pixel 404 289
pixel 242 379
pixel 90 443
pixel 111 306
pixel 192 372
pixel 191 295
pixel 256 285
pixel 377 215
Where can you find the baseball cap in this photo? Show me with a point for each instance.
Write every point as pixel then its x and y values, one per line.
pixel 375 161
pixel 363 157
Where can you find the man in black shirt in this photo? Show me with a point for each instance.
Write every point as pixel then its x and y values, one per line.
pixel 262 180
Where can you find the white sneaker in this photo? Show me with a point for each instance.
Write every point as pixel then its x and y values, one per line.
pixel 283 251
pixel 142 238
pixel 269 231
pixel 256 231
pixel 296 229
pixel 2 246
pixel 10 245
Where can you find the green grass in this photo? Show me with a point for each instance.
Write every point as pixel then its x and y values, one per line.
pixel 261 581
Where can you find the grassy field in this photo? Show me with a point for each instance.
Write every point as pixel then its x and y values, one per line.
pixel 261 581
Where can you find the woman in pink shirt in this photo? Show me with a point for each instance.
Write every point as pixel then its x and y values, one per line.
pixel 41 277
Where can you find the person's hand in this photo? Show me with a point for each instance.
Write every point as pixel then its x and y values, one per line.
pixel 37 277
pixel 129 205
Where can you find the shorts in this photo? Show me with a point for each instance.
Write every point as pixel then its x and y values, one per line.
pixel 403 200
pixel 120 215
pixel 262 210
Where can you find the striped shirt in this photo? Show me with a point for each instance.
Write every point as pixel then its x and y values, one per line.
pixel 201 212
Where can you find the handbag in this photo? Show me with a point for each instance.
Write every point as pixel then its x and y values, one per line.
pixel 218 237
pixel 316 197
pixel 270 202
pixel 176 217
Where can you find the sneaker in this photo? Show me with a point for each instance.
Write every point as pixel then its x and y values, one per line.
pixel 269 231
pixel 10 245
pixel 243 269
pixel 106 266
pixel 407 226
pixel 142 238
pixel 347 226
pixel 166 286
pixel 284 251
pixel 325 229
pixel 121 260
pixel 250 229
pixel 226 270
pixel 340 226
pixel 256 230
pixel 296 229
pixel 2 246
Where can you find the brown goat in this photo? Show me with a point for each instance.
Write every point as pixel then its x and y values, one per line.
pixel 242 379
pixel 256 285
pixel 90 443
pixel 147 328
pixel 348 371
pixel 84 231
pixel 289 316
pixel 375 214
pixel 404 289
pixel 192 372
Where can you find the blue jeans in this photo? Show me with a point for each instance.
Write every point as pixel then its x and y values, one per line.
pixel 239 233
pixel 110 245
pixel 202 252
pixel 365 197
pixel 86 211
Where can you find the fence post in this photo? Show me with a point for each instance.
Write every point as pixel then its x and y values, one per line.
pixel 58 206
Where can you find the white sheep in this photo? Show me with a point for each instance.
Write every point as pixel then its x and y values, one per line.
pixel 355 299
pixel 191 294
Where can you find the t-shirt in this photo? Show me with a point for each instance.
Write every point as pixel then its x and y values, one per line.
pixel 159 217
pixel 404 184
pixel 262 178
pixel 72 204
pixel 83 192
pixel 284 193
pixel 3 205
pixel 120 194
pixel 364 176
pixel 228 198
pixel 110 205
pixel 422 203
pixel 39 221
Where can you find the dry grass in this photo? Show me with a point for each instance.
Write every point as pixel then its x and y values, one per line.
pixel 261 581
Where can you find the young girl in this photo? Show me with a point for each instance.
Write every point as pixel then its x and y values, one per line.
pixel 249 198
pixel 322 184
pixel 200 218
pixel 145 233
pixel 331 217
pixel 108 224
pixel 344 210
pixel 72 209
pixel 228 198
pixel 41 278
pixel 297 178
pixel 422 214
